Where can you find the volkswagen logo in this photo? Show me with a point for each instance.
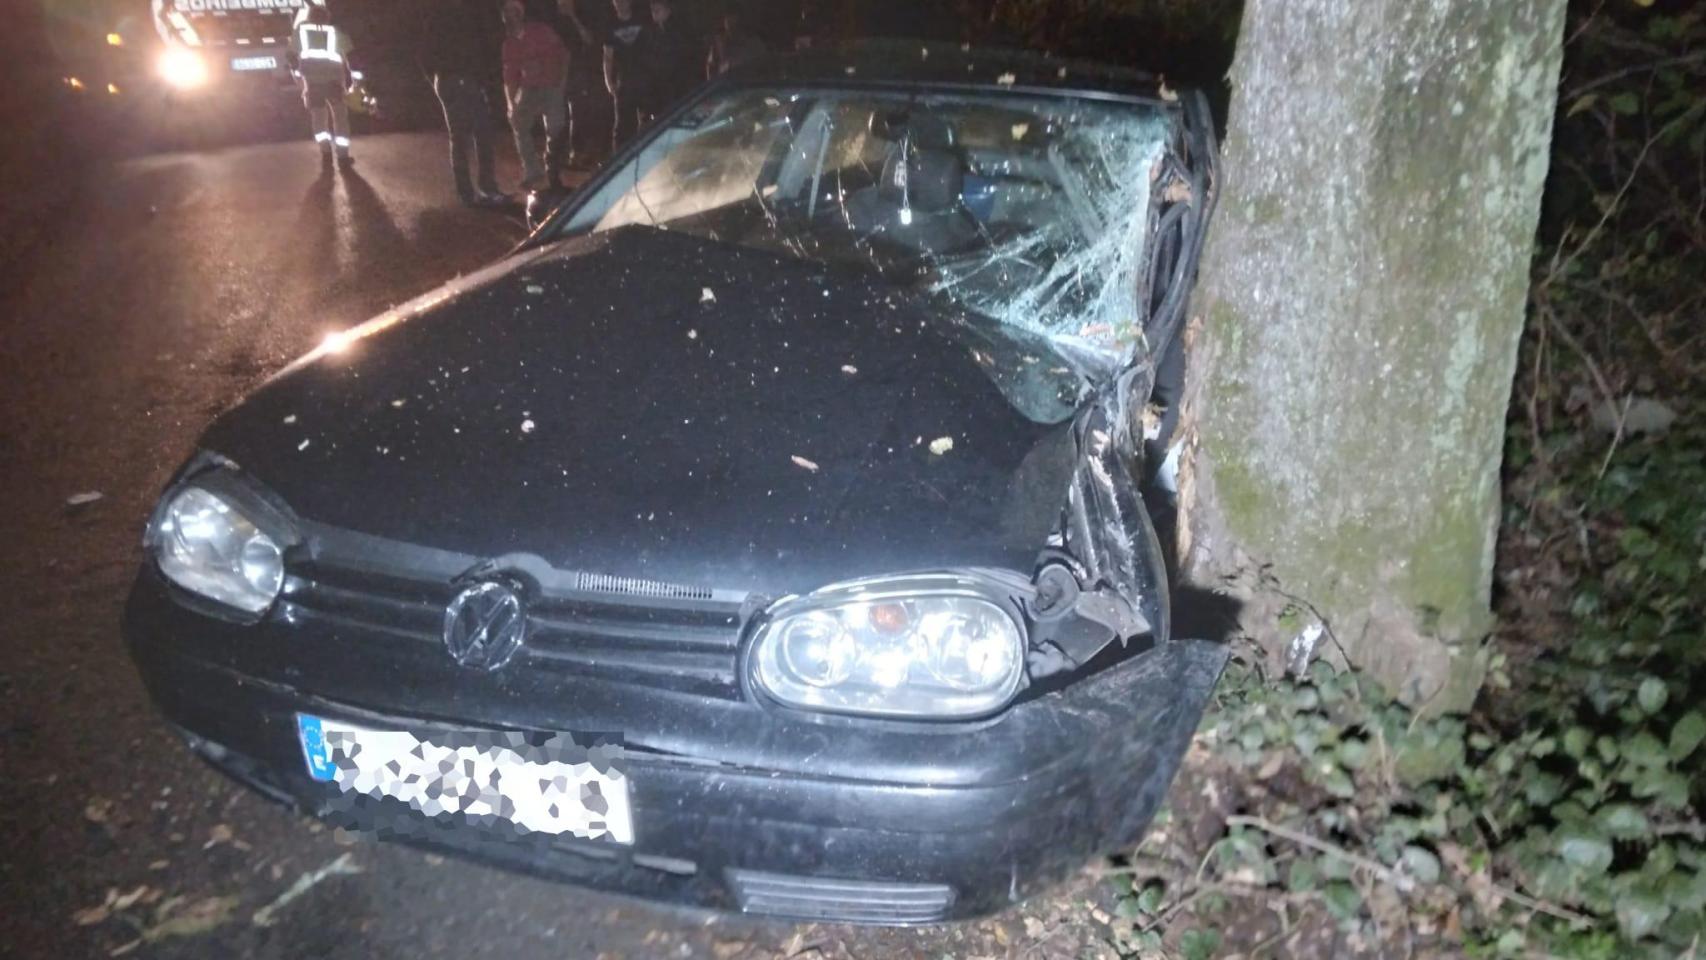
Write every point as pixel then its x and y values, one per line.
pixel 485 625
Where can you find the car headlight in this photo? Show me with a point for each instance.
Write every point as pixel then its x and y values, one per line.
pixel 204 543
pixel 182 68
pixel 932 646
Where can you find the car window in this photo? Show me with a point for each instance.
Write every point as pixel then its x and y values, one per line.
pixel 1030 210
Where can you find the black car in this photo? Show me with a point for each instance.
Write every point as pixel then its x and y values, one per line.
pixel 768 532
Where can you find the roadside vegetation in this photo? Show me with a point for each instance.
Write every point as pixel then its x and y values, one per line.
pixel 1564 816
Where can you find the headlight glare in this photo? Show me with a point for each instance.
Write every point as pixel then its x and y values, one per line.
pixel 182 68
pixel 892 651
pixel 206 545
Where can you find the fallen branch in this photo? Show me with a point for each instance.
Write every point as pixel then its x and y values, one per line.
pixel 1540 906
pixel 1399 881
pixel 266 916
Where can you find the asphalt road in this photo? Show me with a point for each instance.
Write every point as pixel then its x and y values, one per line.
pixel 176 283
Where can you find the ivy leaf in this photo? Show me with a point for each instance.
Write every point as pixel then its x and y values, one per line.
pixel 1688 734
pixel 1148 899
pixel 1352 754
pixel 1652 695
pixel 1644 749
pixel 1639 914
pixel 1338 783
pixel 1576 741
pixel 1607 748
pixel 1342 899
pixel 1667 788
pixel 1623 821
pixel 1587 851
pixel 1304 875
pixel 1199 944
pixel 1420 862
pixel 1542 789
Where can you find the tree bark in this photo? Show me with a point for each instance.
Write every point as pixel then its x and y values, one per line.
pixel 1356 331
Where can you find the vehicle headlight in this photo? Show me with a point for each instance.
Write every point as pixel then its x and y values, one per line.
pixel 182 68
pixel 922 647
pixel 206 545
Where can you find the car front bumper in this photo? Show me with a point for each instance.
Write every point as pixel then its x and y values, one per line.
pixel 952 822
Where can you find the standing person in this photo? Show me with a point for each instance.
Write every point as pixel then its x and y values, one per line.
pixel 589 102
pixel 623 38
pixel 578 39
pixel 535 66
pixel 669 60
pixel 320 52
pixel 732 46
pixel 459 54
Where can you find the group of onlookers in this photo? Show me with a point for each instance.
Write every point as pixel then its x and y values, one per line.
pixel 578 79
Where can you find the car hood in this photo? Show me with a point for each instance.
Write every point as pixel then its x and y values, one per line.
pixel 648 404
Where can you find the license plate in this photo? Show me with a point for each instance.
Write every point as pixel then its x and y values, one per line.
pixel 254 63
pixel 556 789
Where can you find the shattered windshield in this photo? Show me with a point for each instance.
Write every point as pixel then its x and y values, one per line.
pixel 1028 210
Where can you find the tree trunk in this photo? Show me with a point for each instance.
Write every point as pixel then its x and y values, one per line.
pixel 1357 326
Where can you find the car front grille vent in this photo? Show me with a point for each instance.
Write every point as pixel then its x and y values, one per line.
pixel 634 587
pixel 616 628
pixel 823 898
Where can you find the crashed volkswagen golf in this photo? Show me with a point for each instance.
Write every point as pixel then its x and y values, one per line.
pixel 766 533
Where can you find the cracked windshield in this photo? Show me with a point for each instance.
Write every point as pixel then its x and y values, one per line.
pixel 1029 210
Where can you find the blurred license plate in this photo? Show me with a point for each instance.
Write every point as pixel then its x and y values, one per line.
pixel 254 63
pixel 556 789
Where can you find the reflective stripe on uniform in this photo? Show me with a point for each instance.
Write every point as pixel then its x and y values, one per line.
pixel 318 41
pixel 322 137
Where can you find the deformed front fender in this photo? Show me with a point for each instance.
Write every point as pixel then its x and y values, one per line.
pixel 1103 578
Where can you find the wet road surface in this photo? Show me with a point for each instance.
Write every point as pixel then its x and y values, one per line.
pixel 178 282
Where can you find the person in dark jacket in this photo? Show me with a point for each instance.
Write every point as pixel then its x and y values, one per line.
pixel 589 102
pixel 732 45
pixel 458 51
pixel 585 87
pixel 624 37
pixel 668 61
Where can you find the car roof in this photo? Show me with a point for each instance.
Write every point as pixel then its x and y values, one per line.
pixel 927 63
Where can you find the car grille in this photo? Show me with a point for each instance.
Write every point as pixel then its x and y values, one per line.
pixel 821 898
pixel 617 628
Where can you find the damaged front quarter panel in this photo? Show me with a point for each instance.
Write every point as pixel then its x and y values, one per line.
pixel 1103 577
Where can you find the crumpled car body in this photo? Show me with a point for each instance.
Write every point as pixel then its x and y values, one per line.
pixel 767 533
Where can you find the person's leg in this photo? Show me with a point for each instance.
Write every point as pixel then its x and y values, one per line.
pixel 340 120
pixel 320 118
pixel 458 123
pixel 556 144
pixel 568 125
pixel 480 111
pixel 522 115
pixel 317 117
pixel 619 123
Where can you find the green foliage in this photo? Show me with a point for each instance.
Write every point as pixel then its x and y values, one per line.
pixel 1564 817
pixel 1581 789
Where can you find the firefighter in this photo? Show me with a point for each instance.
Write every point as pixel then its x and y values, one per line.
pixel 320 52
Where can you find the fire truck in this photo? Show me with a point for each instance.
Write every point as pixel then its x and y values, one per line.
pixel 196 70
pixel 223 42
